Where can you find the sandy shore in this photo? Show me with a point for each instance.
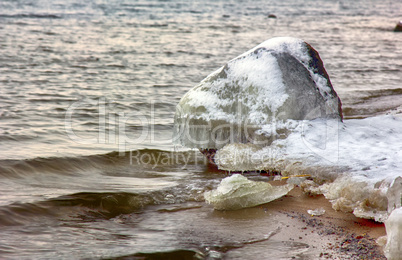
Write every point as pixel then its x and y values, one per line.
pixel 333 235
pixel 280 229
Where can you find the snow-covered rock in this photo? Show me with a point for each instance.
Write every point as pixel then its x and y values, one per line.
pixel 280 79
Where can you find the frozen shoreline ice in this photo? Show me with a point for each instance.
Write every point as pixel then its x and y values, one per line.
pixel 353 163
pixel 274 108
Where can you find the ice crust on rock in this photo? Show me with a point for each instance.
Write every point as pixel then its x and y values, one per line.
pixel 393 226
pixel 237 192
pixel 280 79
pixel 237 156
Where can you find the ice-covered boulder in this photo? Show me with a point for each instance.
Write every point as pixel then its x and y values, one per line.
pixel 237 192
pixel 282 78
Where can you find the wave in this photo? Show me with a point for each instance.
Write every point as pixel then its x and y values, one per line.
pixel 16 137
pixel 31 15
pixel 143 159
pixel 371 103
pixel 83 206
pixel 95 203
pixel 382 93
pixel 90 206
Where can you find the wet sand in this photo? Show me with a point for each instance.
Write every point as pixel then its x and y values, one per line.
pixel 281 229
pixel 333 235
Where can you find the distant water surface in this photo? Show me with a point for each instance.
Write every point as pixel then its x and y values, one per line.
pixel 87 97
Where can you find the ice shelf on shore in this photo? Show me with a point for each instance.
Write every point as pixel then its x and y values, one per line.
pixel 237 192
pixel 393 225
pixel 356 164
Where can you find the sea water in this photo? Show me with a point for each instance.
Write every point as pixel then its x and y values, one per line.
pixel 87 99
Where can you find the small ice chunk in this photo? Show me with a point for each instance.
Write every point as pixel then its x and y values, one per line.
pixel 381 241
pixel 316 212
pixel 237 192
pixel 393 226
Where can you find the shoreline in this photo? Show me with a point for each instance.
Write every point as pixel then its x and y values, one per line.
pixel 333 235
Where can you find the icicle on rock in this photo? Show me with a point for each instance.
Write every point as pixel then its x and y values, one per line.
pixel 282 78
pixel 237 192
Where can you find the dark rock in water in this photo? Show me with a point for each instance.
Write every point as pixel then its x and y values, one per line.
pixel 272 16
pixel 281 79
pixel 398 27
pixel 210 154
